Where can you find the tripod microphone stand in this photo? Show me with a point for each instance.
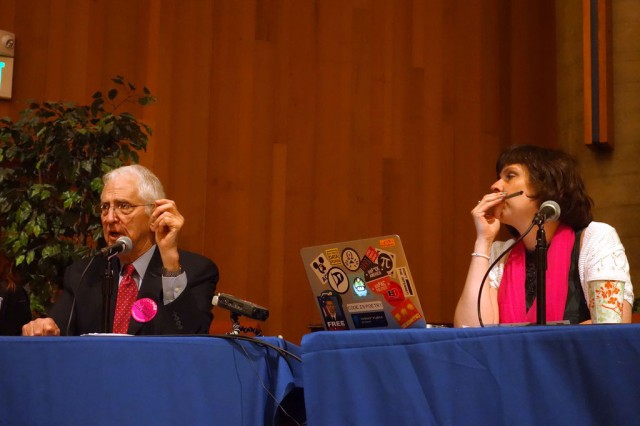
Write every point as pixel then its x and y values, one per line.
pixel 237 328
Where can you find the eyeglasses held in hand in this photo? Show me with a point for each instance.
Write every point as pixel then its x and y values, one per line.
pixel 120 209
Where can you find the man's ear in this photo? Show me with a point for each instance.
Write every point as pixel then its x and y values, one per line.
pixel 152 231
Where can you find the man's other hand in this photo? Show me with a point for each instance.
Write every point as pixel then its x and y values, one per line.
pixel 41 327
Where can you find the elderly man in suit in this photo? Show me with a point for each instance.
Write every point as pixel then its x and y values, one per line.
pixel 160 288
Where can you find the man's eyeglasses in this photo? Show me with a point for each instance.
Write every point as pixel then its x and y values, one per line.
pixel 120 209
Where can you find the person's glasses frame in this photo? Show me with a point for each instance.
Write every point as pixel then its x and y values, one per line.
pixel 121 208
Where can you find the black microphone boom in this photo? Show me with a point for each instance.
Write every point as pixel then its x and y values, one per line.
pixel 240 307
pixel 548 211
pixel 122 245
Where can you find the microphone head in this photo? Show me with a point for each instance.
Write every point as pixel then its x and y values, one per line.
pixel 127 244
pixel 550 210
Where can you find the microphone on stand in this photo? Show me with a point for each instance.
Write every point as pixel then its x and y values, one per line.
pixel 548 211
pixel 122 245
pixel 240 307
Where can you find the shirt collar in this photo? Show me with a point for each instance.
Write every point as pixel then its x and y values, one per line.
pixel 142 263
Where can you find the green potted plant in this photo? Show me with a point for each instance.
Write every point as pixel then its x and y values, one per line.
pixel 51 162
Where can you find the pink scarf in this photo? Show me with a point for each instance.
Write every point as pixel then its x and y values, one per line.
pixel 511 297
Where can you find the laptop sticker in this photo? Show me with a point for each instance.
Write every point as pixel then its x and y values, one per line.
pixel 338 280
pixel 350 259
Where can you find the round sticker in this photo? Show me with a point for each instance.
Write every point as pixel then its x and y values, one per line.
pixel 350 259
pixel 144 310
pixel 393 294
pixel 338 280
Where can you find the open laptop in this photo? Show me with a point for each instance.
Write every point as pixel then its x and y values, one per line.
pixel 363 284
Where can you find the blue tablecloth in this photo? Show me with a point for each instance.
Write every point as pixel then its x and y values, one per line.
pixel 536 375
pixel 143 380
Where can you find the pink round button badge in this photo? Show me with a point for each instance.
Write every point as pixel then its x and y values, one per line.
pixel 144 310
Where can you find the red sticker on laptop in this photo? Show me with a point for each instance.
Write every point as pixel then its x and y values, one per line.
pixel 144 310
pixel 391 290
pixel 394 294
pixel 372 254
pixel 406 313
pixel 380 286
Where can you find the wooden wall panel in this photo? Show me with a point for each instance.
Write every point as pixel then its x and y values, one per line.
pixel 610 176
pixel 533 61
pixel 597 72
pixel 287 123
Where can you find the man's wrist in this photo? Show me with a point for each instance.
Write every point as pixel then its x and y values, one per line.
pixel 172 272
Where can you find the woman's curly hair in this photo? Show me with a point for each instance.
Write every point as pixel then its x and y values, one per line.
pixel 554 175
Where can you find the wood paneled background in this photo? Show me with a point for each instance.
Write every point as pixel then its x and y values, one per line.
pixel 612 177
pixel 287 123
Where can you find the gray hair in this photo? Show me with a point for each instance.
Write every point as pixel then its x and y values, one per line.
pixel 149 186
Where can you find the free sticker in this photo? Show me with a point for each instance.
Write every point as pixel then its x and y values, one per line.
pixel 144 310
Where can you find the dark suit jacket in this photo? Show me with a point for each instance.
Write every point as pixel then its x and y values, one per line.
pixel 190 313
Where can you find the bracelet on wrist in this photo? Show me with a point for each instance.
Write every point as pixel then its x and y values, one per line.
pixel 474 254
pixel 167 273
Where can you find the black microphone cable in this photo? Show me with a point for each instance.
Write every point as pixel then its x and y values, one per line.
pixel 285 354
pixel 495 262
pixel 235 338
pixel 73 304
pixel 282 352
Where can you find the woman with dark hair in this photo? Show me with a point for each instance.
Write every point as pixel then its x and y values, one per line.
pixel 580 250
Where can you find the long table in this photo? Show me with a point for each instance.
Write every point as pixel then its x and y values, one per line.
pixel 109 380
pixel 535 375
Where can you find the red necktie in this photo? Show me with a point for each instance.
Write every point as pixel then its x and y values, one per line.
pixel 127 293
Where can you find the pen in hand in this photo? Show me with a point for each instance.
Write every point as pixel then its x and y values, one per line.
pixel 513 194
